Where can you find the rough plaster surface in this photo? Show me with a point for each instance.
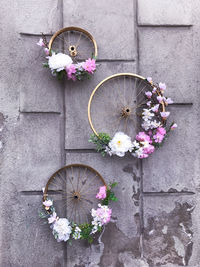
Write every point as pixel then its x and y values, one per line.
pixel 43 125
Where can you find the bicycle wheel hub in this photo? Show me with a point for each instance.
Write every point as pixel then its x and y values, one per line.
pixel 73 50
pixel 126 112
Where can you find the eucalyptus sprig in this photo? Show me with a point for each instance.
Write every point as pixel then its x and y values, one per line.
pixel 101 141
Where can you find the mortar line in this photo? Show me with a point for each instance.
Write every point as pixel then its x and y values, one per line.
pixel 82 150
pixel 141 202
pixel 40 112
pixel 155 194
pixel 63 130
pixel 164 26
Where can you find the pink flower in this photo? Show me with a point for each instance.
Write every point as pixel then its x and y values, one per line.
pixel 71 70
pixel 162 86
pixel 89 65
pixel 142 136
pixel 174 126
pixel 161 130
pixel 154 90
pixel 150 133
pixel 143 156
pixel 168 101
pixel 104 213
pixel 41 43
pixel 48 203
pixel 46 50
pixel 149 79
pixel 159 98
pixel 102 193
pixel 148 94
pixel 164 115
pixel 155 108
pixel 149 103
pixel 158 137
pixel 148 150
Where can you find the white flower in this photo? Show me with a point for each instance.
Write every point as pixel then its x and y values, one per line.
pixel 146 125
pixel 40 42
pixel 138 153
pixel 62 229
pixel 77 233
pixel 160 99
pixel 147 114
pixel 155 108
pixel 52 218
pixel 59 61
pixel 136 144
pixel 162 86
pixel 155 124
pixel 120 144
pixel 48 203
pixel 164 115
pixel 108 151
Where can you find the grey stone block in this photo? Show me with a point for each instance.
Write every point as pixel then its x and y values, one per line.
pixel 168 230
pixel 35 144
pixel 113 27
pixel 26 240
pixel 34 17
pixel 167 55
pixel 125 225
pixel 158 12
pixel 173 167
pixel 39 90
pixel 77 96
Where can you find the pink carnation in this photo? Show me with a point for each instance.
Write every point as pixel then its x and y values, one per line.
pixel 102 193
pixel 89 65
pixel 71 70
pixel 148 150
pixel 158 138
pixel 161 130
pixel 142 136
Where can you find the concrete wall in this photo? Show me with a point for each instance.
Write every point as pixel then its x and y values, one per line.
pixel 157 218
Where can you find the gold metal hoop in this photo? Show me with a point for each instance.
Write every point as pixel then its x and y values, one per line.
pixel 78 30
pixel 68 167
pixel 102 82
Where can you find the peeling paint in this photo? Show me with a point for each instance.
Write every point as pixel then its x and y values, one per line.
pixel 168 236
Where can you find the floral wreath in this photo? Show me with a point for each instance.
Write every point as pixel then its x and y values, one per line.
pixel 61 64
pixel 64 230
pixel 154 123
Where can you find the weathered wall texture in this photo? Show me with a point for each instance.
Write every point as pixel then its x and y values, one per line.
pixel 43 125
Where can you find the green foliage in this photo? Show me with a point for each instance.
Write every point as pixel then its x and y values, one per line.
pixel 110 195
pixel 45 65
pixel 86 232
pixel 100 141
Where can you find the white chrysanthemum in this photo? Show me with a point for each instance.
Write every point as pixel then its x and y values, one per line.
pixel 59 61
pixel 120 144
pixel 62 229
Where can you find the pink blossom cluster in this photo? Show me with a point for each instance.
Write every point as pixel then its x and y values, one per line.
pixel 145 147
pixel 160 134
pixel 89 66
pixel 103 214
pixel 102 193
